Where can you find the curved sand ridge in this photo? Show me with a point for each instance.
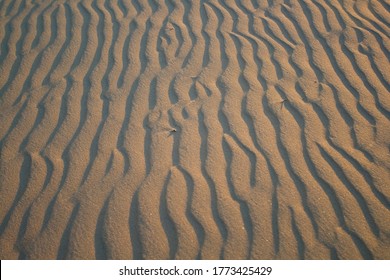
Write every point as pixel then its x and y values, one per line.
pixel 195 129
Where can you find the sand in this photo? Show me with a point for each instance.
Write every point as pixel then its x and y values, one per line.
pixel 195 129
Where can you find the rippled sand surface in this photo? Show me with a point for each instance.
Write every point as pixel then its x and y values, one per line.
pixel 183 129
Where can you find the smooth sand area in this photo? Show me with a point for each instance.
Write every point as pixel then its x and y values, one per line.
pixel 179 129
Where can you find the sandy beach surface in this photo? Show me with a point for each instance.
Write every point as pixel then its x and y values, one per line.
pixel 178 129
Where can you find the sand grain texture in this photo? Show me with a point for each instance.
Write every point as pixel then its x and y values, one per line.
pixel 195 129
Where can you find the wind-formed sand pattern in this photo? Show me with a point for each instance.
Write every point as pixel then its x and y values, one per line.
pixel 183 129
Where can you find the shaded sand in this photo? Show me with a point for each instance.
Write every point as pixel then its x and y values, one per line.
pixel 195 129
